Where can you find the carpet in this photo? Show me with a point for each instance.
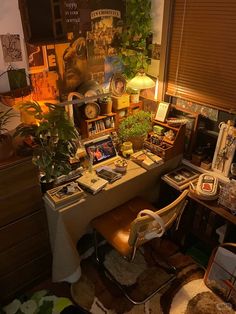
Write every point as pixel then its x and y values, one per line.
pixel 97 294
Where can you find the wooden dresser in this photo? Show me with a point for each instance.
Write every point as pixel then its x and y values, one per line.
pixel 25 257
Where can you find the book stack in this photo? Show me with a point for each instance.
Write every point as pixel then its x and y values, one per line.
pixel 181 177
pixel 64 195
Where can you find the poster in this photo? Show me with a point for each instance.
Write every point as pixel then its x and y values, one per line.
pixel 37 58
pixel 11 47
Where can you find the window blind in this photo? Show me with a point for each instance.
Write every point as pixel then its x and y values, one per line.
pixel 202 55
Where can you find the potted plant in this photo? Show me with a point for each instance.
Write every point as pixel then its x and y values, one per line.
pixel 6 146
pixel 135 128
pixel 53 137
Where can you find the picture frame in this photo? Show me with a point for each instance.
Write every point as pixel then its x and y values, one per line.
pixel 37 56
pixel 181 177
pixel 192 119
pixel 162 111
pixel 118 85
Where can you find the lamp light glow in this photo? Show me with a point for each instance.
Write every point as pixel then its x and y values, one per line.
pixel 156 90
pixel 141 81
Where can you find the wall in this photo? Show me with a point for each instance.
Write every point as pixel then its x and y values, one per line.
pixel 10 22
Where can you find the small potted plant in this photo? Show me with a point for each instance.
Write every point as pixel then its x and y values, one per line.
pixel 53 138
pixel 6 146
pixel 135 128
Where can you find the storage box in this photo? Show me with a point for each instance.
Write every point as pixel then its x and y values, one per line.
pixel 120 102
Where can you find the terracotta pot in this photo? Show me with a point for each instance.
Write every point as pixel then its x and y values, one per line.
pixel 137 142
pixel 6 147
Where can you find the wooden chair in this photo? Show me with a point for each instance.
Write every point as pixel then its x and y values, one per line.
pixel 134 223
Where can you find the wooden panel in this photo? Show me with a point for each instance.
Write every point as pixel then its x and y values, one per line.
pixel 24 252
pixel 17 178
pixel 22 229
pixel 20 204
pixel 22 278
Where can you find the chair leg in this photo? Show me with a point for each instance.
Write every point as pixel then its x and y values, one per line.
pixel 96 246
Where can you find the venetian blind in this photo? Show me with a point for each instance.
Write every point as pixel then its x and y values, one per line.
pixel 202 56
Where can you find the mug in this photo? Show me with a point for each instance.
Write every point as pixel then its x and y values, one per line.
pixel 127 149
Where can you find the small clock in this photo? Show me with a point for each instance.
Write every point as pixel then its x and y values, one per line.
pixel 91 110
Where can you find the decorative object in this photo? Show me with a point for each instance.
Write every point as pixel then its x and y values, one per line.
pixel 53 139
pixel 135 128
pixel 118 85
pixel 162 111
pixel 134 96
pixel 121 165
pixel 91 110
pixel 127 149
pixel 6 146
pixel 225 148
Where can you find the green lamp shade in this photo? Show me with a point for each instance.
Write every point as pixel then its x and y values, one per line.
pixel 141 81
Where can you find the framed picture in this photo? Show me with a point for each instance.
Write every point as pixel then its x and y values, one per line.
pixel 191 128
pixel 37 56
pixel 118 85
pixel 181 177
pixel 162 111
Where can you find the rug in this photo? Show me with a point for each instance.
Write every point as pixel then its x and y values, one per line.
pixel 97 294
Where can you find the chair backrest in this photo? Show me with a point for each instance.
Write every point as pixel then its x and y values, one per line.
pixel 149 224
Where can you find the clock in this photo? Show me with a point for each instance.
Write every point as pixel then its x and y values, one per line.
pixel 91 110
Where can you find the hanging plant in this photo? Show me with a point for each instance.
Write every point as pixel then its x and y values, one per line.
pixel 133 43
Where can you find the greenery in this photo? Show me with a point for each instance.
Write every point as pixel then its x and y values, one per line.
pixel 5 117
pixel 133 49
pixel 53 139
pixel 138 124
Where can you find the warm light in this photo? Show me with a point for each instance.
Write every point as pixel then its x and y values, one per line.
pixel 156 90
pixel 141 81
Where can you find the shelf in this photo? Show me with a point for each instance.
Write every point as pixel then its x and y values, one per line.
pixel 167 125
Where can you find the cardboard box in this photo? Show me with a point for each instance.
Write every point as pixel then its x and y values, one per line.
pixel 120 102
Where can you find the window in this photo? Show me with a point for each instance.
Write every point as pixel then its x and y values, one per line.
pixel 202 62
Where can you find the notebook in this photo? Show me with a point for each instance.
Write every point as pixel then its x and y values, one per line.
pixel 101 150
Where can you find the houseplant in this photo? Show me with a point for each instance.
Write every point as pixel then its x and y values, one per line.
pixel 134 128
pixel 6 146
pixel 53 138
pixel 133 46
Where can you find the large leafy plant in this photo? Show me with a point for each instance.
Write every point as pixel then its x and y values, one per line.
pixel 136 125
pixel 53 139
pixel 5 117
pixel 133 41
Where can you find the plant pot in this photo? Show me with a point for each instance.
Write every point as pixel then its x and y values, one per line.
pixel 137 142
pixel 6 147
pixel 45 186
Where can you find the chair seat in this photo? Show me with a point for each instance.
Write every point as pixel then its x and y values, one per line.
pixel 114 225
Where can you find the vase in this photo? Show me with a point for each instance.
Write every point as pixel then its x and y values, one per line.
pixel 45 186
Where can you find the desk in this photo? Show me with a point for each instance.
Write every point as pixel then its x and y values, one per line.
pixel 68 224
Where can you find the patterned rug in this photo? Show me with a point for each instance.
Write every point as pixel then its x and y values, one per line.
pixel 97 294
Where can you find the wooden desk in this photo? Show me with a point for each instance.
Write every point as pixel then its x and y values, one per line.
pixel 68 224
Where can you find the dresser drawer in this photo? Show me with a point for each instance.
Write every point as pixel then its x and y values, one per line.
pixel 21 279
pixel 20 204
pixel 22 229
pixel 24 252
pixel 17 177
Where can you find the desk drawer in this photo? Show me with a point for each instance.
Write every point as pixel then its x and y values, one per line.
pixel 22 229
pixel 20 204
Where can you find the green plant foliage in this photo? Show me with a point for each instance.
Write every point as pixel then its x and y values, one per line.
pixel 133 41
pixel 5 117
pixel 54 138
pixel 138 124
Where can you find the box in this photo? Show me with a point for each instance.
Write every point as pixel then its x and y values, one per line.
pixel 120 102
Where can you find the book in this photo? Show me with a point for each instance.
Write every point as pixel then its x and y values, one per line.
pixel 181 177
pixel 91 182
pixel 65 194
pixel 108 174
pixel 146 159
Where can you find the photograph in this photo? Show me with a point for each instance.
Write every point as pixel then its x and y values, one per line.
pixel 181 176
pixel 118 85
